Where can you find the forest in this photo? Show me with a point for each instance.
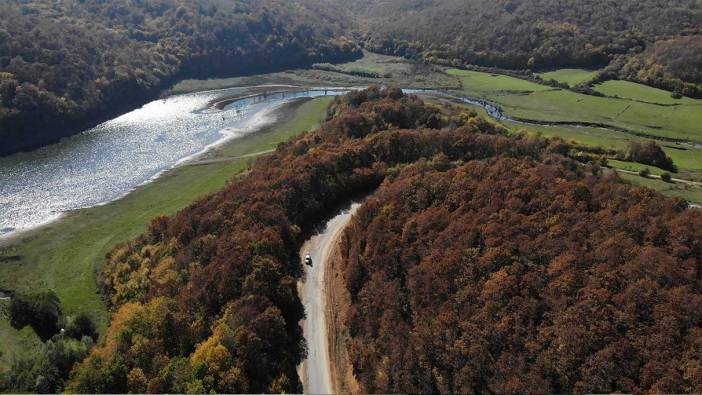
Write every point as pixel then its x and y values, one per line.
pixel 522 274
pixel 65 65
pixel 483 262
pixel 657 42
pixel 206 300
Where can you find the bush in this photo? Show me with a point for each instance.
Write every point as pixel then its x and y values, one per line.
pixel 650 153
pixel 46 370
pixel 41 311
pixel 666 177
pixel 81 326
pixel 645 173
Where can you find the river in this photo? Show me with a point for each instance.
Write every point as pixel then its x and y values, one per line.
pixel 108 161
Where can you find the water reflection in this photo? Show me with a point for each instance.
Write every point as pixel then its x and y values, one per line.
pixel 106 162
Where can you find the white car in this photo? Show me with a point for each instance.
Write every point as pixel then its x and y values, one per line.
pixel 308 260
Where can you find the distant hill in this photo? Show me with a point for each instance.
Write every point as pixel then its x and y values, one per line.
pixel 657 42
pixel 65 65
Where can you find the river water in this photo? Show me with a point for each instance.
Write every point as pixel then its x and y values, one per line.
pixel 110 160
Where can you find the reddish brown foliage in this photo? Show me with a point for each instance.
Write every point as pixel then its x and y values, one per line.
pixel 210 292
pixel 206 300
pixel 522 276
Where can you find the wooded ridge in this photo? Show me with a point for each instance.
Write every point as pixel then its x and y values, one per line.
pixel 485 255
pixel 67 65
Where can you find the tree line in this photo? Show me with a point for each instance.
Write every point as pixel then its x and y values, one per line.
pixel 656 42
pixel 65 65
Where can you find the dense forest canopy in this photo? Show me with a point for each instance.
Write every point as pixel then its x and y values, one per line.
pixel 64 64
pixel 658 42
pixel 515 275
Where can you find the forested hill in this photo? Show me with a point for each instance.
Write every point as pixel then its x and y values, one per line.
pixel 657 42
pixel 66 64
pixel 481 263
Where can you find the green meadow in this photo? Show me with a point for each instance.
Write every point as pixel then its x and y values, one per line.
pixel 637 167
pixel 639 92
pixel 527 100
pixel 524 99
pixel 571 77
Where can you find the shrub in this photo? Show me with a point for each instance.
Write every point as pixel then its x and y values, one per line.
pixel 666 177
pixel 645 172
pixel 81 326
pixel 41 311
pixel 46 370
pixel 650 153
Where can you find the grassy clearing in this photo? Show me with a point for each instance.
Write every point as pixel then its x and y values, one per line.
pixel 634 91
pixel 637 167
pixel 394 71
pixel 495 84
pixel 571 77
pixel 376 63
pixel 691 193
pixel 65 255
pixel 527 100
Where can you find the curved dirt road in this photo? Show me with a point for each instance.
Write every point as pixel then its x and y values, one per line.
pixel 315 370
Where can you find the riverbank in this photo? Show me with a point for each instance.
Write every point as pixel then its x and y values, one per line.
pixel 66 254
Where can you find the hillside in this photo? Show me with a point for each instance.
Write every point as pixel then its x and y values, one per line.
pixel 69 64
pixel 504 272
pixel 522 275
pixel 638 37
pixel 206 300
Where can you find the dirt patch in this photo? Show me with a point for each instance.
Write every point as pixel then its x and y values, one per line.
pixel 337 308
pixel 10 258
pixel 215 155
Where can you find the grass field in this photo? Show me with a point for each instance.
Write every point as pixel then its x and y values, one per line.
pixel 376 63
pixel 571 77
pixel 527 100
pixel 639 92
pixel 687 158
pixel 691 193
pixel 394 71
pixel 486 84
pixel 66 255
pixel 637 167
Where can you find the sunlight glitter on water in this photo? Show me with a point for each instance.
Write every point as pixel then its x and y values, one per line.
pixel 108 161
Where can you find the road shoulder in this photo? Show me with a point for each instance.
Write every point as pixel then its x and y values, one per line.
pixel 337 306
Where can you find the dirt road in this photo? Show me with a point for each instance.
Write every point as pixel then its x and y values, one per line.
pixel 315 370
